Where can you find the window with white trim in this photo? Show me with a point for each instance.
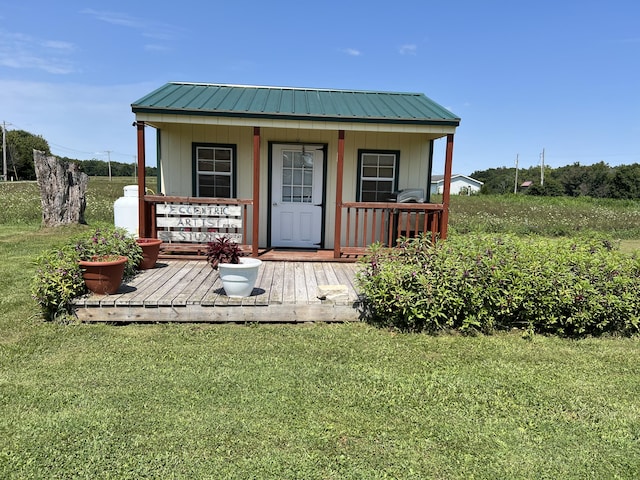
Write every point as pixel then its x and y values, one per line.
pixel 214 167
pixel 377 175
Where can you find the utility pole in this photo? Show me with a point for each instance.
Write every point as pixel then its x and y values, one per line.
pixel 4 151
pixel 542 168
pixel 109 162
pixel 515 187
pixel 5 175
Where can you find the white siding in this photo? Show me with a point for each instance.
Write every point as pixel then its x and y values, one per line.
pixel 177 169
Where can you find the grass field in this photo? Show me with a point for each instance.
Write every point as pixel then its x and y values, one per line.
pixel 316 401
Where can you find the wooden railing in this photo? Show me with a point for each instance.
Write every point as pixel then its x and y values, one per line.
pixel 187 224
pixel 367 223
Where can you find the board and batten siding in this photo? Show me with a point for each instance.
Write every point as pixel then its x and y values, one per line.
pixel 176 161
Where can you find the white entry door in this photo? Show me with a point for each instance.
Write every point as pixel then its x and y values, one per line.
pixel 296 196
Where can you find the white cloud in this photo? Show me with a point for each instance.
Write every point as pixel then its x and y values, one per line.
pixel 77 120
pixel 115 18
pixel 147 28
pixel 150 47
pixel 59 45
pixel 21 51
pixel 409 49
pixel 352 52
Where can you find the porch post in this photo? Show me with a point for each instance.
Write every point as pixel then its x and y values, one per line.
pixel 340 174
pixel 446 192
pixel 256 191
pixel 142 213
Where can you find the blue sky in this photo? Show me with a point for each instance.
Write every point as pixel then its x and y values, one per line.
pixel 523 76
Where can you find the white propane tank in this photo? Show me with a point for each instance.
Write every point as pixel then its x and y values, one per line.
pixel 125 210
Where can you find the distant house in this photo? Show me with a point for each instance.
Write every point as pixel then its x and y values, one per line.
pixel 460 184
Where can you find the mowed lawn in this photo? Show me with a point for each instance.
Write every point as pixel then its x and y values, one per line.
pixel 343 401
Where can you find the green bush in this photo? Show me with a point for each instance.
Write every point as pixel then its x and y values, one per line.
pixel 57 282
pixel 58 277
pixel 483 283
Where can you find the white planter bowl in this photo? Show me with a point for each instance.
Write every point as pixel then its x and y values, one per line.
pixel 238 279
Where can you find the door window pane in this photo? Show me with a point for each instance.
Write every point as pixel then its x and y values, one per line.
pixel 297 178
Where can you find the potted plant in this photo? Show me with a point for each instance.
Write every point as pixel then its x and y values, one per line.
pixel 150 250
pixel 61 272
pixel 103 274
pixel 107 257
pixel 237 272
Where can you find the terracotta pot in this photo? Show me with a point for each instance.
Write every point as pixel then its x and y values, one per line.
pixel 150 250
pixel 103 277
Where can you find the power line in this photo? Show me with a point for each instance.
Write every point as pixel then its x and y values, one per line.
pixel 60 147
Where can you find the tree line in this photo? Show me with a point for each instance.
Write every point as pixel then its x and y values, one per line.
pixel 20 145
pixel 598 180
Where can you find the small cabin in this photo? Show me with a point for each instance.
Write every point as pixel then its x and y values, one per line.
pixel 281 168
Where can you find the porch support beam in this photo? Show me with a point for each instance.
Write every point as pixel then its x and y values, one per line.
pixel 446 192
pixel 142 182
pixel 256 192
pixel 340 175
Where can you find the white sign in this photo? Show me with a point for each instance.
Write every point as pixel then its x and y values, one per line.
pixel 199 222
pixel 197 237
pixel 204 210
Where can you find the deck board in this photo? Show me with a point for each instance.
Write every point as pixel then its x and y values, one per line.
pixel 289 284
pixel 189 283
pixel 263 284
pixel 147 282
pixel 330 274
pixel 164 293
pixel 191 291
pixel 311 282
pixel 277 285
pixel 203 283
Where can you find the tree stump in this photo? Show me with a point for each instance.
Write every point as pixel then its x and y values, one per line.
pixel 63 189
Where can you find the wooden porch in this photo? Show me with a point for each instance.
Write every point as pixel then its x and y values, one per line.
pixel 191 291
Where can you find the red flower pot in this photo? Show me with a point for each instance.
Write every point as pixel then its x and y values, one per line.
pixel 103 276
pixel 150 250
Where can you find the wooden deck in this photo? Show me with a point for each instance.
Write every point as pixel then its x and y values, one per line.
pixel 190 291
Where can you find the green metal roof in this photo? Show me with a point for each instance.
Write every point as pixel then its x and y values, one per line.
pixel 295 103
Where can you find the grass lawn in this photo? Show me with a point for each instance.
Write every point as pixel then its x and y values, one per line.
pixel 289 401
pixel 341 401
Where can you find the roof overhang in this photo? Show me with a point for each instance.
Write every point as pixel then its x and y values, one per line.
pixel 160 121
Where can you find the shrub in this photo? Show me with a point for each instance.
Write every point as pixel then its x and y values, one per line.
pixel 484 283
pixel 57 282
pixel 58 277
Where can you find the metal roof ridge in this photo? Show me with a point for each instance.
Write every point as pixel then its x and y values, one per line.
pixel 280 87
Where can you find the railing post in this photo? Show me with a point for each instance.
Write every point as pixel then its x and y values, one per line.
pixel 446 192
pixel 142 181
pixel 152 222
pixel 256 192
pixel 339 179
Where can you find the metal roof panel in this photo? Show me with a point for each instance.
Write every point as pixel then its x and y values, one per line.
pixel 300 103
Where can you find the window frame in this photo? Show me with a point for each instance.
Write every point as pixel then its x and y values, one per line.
pixel 232 173
pixel 360 178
